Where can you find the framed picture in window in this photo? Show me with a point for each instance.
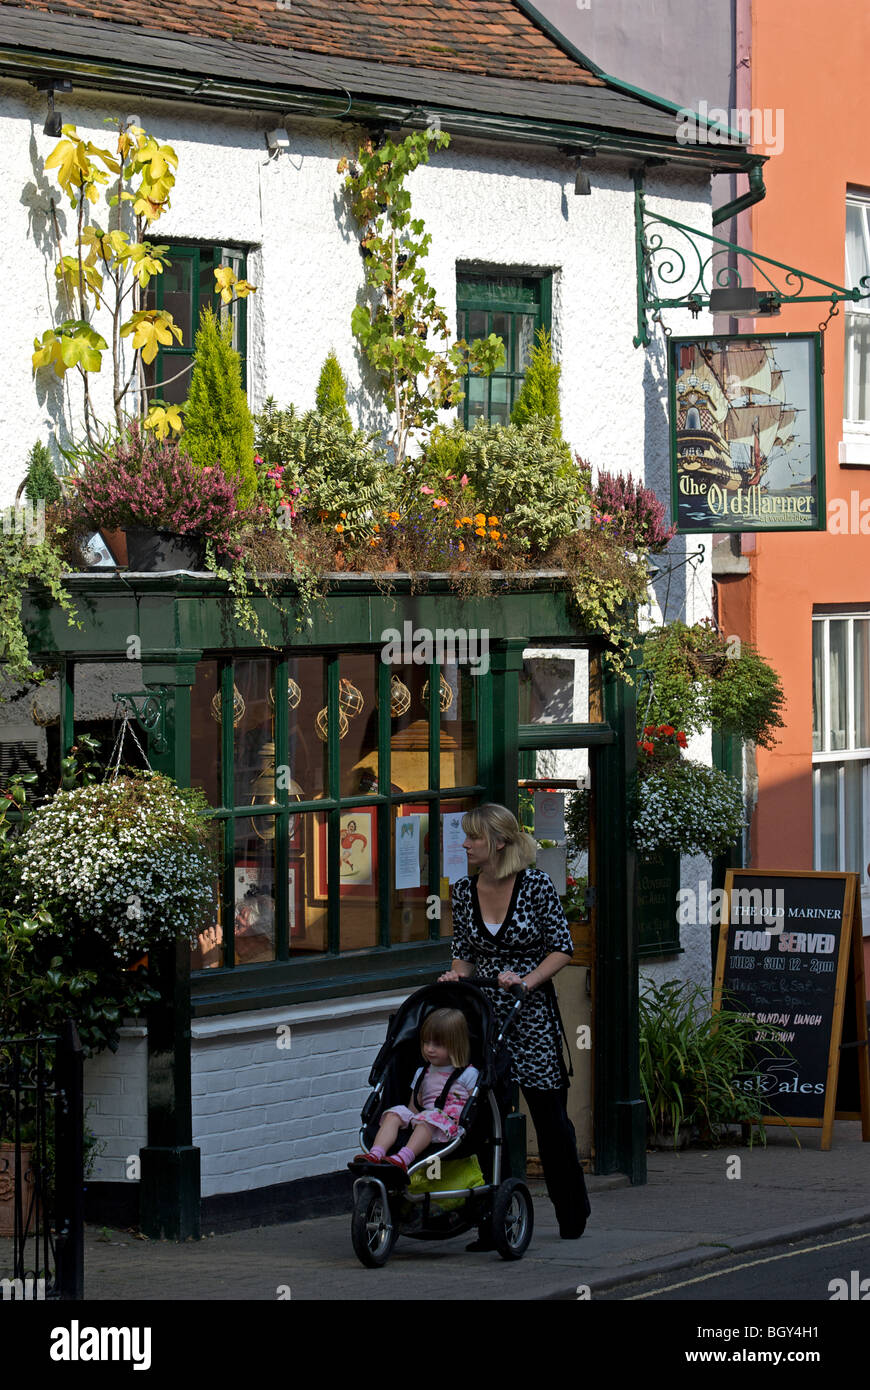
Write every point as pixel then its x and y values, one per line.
pixel 358 855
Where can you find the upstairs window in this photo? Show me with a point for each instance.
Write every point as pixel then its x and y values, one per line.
pixel 513 307
pixel 185 288
pixel 856 402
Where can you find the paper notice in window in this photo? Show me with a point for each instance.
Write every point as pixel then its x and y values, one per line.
pixel 408 852
pixel 549 815
pixel 454 861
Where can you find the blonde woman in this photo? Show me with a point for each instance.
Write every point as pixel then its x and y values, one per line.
pixel 508 921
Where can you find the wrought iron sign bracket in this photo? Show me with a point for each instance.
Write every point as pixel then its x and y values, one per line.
pixel 148 708
pixel 718 274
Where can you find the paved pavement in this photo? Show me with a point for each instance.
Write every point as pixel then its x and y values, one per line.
pixel 697 1205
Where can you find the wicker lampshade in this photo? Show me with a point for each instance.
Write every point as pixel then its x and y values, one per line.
pixel 321 724
pixel 350 699
pixel 239 707
pixel 445 695
pixel 294 694
pixel 400 697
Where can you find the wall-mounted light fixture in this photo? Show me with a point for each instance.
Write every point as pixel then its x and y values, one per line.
pixel 50 85
pixel 582 186
pixel 579 154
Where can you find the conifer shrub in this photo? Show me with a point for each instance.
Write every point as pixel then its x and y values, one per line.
pixel 539 394
pixel 331 397
pixel 41 481
pixel 218 426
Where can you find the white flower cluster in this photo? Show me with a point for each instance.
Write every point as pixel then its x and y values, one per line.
pixel 688 808
pixel 129 858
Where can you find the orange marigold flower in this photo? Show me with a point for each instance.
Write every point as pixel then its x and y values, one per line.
pixel 496 535
pixel 493 521
pixel 462 545
pixel 342 514
pixel 480 519
pixel 338 526
pixel 465 521
pixel 480 530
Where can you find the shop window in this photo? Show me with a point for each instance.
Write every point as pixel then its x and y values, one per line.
pixel 513 307
pixel 337 790
pixel 856 404
pixel 185 288
pixel 841 743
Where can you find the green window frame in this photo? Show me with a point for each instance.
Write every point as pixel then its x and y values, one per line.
pixel 391 923
pixel 185 288
pixel 514 307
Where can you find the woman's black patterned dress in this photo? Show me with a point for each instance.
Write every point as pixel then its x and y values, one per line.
pixel 534 926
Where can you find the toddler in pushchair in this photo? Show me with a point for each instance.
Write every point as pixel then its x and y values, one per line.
pixel 445 1175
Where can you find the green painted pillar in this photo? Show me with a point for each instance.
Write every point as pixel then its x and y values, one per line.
pixel 506 663
pixel 169 1192
pixel 620 1112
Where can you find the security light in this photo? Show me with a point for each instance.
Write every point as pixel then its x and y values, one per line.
pixel 582 185
pixel 277 139
pixel 50 85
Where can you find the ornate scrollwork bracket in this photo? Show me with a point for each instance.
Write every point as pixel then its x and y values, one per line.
pixel 148 708
pixel 692 264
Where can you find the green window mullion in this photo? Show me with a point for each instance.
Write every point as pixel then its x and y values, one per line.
pixel 385 813
pixel 67 706
pixel 435 783
pixel 282 819
pixel 228 886
pixel 485 732
pixel 333 762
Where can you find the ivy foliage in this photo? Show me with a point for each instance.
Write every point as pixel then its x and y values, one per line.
pixel 401 327
pixel 218 426
pixel 696 676
pixel 24 560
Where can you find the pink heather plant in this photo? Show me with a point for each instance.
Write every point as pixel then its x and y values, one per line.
pixel 143 481
pixel 632 511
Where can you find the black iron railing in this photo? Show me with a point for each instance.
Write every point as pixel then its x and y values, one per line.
pixel 41 1167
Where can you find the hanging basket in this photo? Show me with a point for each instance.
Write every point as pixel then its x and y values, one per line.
pixel 350 699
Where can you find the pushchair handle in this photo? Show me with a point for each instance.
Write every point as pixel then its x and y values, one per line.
pixel 519 992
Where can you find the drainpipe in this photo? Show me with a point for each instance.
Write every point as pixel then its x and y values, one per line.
pixel 756 192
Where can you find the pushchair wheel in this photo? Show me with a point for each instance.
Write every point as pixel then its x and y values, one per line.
pixel 372 1229
pixel 513 1219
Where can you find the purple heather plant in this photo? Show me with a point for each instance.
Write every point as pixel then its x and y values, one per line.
pixel 143 481
pixel 632 511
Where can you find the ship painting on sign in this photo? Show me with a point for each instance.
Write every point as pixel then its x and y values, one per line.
pixel 744 430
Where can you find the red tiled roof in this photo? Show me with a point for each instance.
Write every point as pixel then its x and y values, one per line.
pixel 493 38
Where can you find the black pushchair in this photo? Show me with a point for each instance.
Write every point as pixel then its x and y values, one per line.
pixel 387 1202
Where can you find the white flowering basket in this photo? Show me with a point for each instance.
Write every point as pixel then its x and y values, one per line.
pixel 131 859
pixel 687 807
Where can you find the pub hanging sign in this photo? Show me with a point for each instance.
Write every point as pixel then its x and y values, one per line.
pixel 747 433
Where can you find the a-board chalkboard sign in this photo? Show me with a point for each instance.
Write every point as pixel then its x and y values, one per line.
pixel 790 955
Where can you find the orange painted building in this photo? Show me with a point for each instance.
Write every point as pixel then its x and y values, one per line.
pixel 804 598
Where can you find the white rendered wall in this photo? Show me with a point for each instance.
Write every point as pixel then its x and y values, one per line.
pixel 266 1113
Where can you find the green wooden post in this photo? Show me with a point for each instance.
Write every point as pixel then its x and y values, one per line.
pixel 506 662
pixel 620 1114
pixel 169 1192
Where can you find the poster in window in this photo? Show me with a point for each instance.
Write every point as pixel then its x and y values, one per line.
pixel 747 433
pixel 358 850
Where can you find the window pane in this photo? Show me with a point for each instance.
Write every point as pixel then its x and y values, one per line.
pixel 855 776
pixel 860 659
pixel 453 862
pixel 499 400
pixel 410 886
pixel 830 816
pixel 409 729
pixel 819 720
pixel 358 728
pixel 306 697
pixel 837 679
pixel 501 327
pixel 177 284
pixel 205 731
pixel 254 738
pixel 358 877
pixel 308 885
pixel 525 330
pixel 208 953
pixel 176 368
pixel 459 721
pixel 254 895
pixel 857 403
pixel 856 245
pixel 476 392
pixel 477 324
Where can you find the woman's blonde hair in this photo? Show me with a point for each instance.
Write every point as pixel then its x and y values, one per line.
pixel 496 824
pixel 448 1028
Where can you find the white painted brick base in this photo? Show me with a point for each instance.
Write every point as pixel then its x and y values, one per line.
pixel 264 1113
pixel 116 1103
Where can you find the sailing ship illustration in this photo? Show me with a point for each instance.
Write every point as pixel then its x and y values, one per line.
pixel 732 413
